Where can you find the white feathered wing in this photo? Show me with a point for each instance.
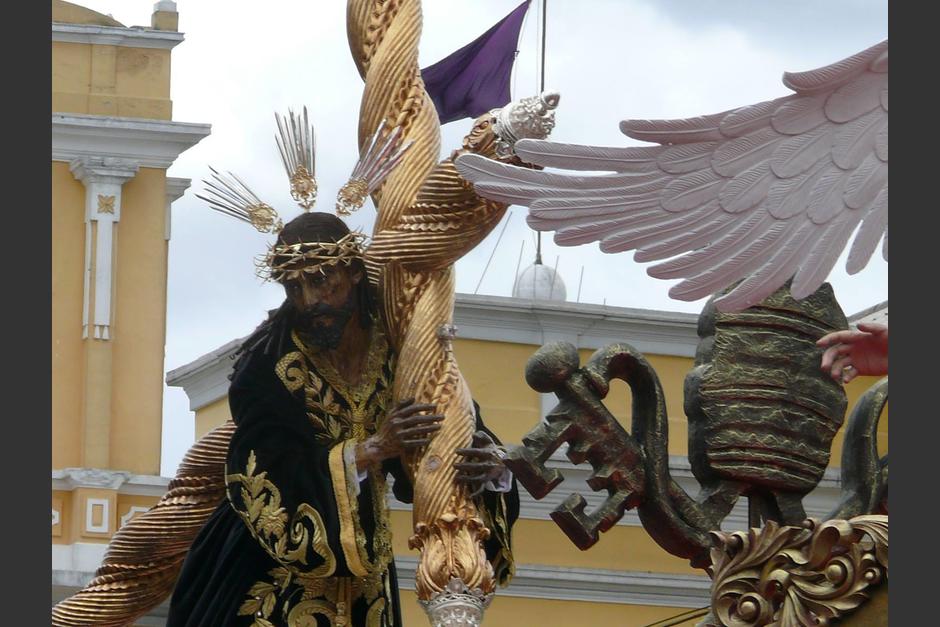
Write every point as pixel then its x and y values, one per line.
pixel 761 193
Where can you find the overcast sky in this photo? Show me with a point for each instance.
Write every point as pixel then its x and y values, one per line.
pixel 610 59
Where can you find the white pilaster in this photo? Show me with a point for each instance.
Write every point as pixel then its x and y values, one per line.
pixel 103 178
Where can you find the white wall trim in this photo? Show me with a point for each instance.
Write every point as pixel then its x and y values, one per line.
pixel 71 478
pixel 151 143
pixel 75 564
pixel 124 482
pixel 131 37
pixel 135 509
pixel 621 587
pixel 145 485
pixel 205 380
pixel 105 525
pixel 588 326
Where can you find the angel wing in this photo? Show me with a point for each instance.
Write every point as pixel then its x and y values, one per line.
pixel 759 194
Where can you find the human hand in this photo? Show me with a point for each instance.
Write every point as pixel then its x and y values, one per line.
pixel 854 352
pixel 481 463
pixel 404 429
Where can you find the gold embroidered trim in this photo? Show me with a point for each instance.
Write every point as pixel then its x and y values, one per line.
pixel 357 396
pixel 382 535
pixel 374 617
pixel 268 522
pixel 352 536
pixel 330 597
pixel 504 565
pixel 290 370
pixel 263 596
pixel 349 527
pixel 305 610
pixel 333 421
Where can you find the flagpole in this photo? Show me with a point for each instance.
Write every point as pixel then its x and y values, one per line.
pixel 544 22
pixel 538 245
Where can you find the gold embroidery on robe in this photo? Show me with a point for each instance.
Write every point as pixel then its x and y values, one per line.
pixel 352 537
pixel 341 415
pixel 348 530
pixel 374 617
pixel 330 597
pixel 268 522
pixel 324 387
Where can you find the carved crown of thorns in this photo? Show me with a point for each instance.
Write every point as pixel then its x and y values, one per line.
pixel 296 145
pixel 285 262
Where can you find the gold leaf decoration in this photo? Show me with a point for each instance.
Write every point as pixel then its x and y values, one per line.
pixel 796 576
pixel 105 204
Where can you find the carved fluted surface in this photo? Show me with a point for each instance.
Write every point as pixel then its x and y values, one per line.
pixel 428 217
pixel 145 555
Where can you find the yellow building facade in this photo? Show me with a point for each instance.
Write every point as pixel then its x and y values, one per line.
pixel 626 578
pixel 113 138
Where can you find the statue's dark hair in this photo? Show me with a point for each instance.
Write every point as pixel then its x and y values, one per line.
pixel 273 335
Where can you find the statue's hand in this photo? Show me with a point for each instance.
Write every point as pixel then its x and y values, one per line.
pixel 406 428
pixel 532 117
pixel 481 464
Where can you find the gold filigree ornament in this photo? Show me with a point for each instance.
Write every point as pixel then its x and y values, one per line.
pixel 288 539
pixel 453 544
pixel 105 204
pixel 297 145
pixel 229 195
pixel 376 162
pixel 796 576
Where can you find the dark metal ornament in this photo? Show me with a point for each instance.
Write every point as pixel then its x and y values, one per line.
pixel 762 417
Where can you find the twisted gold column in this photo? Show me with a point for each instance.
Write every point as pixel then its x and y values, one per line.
pixel 428 217
pixel 144 557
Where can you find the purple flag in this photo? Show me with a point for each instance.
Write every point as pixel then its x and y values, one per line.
pixel 475 79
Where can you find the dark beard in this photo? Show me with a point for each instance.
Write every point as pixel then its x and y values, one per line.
pixel 316 333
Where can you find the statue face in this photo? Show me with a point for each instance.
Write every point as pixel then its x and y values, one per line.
pixel 323 303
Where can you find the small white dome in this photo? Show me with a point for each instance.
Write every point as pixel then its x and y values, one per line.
pixel 539 282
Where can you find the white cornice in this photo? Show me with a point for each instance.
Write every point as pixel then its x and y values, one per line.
pixel 877 314
pixel 131 37
pixel 151 143
pixel 534 322
pixel 175 188
pixel 205 380
pixel 71 478
pixel 622 587
pixel 123 481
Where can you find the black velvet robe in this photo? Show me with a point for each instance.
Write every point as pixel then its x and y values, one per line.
pixel 293 544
